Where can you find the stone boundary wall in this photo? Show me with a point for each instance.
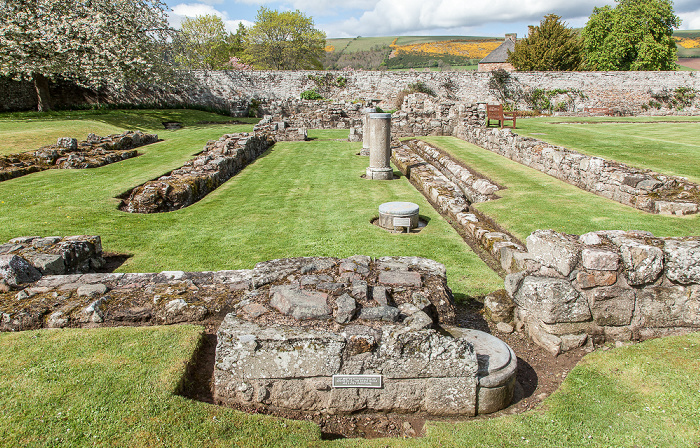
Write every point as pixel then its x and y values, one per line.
pixel 640 188
pixel 603 286
pixel 218 162
pixel 68 153
pixel 622 92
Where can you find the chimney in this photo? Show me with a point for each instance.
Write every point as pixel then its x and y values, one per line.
pixel 511 36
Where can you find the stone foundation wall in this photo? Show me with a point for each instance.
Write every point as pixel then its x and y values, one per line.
pixel 219 161
pixel 643 189
pixel 68 153
pixel 603 286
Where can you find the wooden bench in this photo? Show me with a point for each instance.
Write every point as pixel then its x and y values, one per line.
pixel 495 112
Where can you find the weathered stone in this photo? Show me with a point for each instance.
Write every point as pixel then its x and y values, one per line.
pixel 57 319
pixel 16 270
pixel 254 309
pixel 360 289
pixel 383 313
pixel 49 264
pixel 674 306
pixel 418 321
pixel 675 208
pixel 175 306
pixel 347 307
pixel 298 303
pixel 643 262
pixel 420 300
pixel 504 327
pixel 92 313
pixel 572 341
pixel 92 291
pixel 599 260
pixel 400 278
pixel 552 300
pixel 408 309
pixel 611 305
pixel 545 340
pixel 597 278
pixel 683 261
pixel 499 306
pixel 590 239
pixel 379 295
pixel 513 282
pixel 553 249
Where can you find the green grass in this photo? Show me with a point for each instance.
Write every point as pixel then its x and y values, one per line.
pixel 300 199
pixel 116 387
pixel 26 131
pixel 534 200
pixel 640 142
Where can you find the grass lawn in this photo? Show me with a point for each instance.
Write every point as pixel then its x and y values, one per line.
pixel 640 141
pixel 116 387
pixel 300 199
pixel 26 131
pixel 534 200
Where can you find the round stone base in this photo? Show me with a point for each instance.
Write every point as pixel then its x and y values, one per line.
pixel 379 173
pixel 398 214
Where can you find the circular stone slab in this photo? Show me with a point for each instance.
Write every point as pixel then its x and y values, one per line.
pixel 402 210
pixel 497 368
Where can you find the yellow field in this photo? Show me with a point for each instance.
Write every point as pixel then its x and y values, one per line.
pixel 470 49
pixel 329 48
pixel 687 42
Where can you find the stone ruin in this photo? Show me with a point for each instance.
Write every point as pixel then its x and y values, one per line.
pixel 288 327
pixel 68 153
pixel 605 286
pixel 218 162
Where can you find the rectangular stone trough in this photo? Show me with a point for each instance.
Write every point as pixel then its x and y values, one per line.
pixel 291 368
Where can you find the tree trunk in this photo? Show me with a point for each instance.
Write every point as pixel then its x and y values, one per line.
pixel 41 85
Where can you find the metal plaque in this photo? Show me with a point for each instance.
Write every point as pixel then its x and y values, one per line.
pixel 367 381
pixel 402 222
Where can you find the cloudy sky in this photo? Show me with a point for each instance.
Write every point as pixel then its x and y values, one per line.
pixel 350 18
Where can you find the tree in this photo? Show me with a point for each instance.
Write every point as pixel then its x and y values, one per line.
pixel 92 43
pixel 634 35
pixel 203 43
pixel 551 46
pixel 284 41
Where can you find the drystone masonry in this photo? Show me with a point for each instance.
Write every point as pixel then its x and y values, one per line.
pixel 219 161
pixel 643 189
pixel 452 188
pixel 68 153
pixel 24 260
pixel 600 287
pixel 623 92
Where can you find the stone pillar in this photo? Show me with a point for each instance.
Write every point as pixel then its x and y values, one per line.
pixel 379 147
pixel 365 129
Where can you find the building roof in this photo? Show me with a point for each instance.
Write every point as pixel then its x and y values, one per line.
pixel 500 54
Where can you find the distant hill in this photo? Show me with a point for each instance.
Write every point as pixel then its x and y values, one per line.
pixel 439 52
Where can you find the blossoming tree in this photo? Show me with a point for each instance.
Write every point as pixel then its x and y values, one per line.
pixel 93 43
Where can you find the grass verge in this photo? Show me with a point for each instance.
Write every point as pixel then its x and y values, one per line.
pixel 641 142
pixel 116 387
pixel 534 200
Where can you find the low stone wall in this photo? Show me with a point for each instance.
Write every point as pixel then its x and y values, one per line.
pixel 26 259
pixel 68 153
pixel 603 286
pixel 449 198
pixel 643 189
pixel 219 161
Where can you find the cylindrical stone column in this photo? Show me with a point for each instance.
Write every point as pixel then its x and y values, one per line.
pixel 365 129
pixel 379 147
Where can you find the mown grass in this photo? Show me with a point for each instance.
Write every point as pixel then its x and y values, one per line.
pixel 669 148
pixel 300 199
pixel 533 200
pixel 26 131
pixel 116 387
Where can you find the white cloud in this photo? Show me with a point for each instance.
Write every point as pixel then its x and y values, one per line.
pixel 183 10
pixel 389 17
pixel 690 20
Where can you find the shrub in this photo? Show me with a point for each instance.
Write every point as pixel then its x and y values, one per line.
pixel 311 94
